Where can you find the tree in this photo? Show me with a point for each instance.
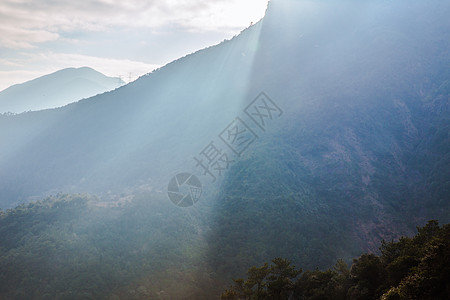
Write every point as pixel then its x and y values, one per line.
pixel 415 268
pixel 367 274
pixel 266 282
pixel 280 280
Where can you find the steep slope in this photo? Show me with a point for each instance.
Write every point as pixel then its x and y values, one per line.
pixel 56 89
pixel 360 151
pixel 141 133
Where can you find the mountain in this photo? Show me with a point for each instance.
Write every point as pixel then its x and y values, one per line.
pixel 56 89
pixel 315 133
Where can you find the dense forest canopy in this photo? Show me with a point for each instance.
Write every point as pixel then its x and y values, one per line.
pixel 411 268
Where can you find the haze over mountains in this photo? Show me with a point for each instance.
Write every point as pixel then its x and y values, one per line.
pixel 357 151
pixel 57 89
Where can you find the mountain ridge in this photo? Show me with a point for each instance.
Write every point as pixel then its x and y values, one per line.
pixel 360 153
pixel 56 89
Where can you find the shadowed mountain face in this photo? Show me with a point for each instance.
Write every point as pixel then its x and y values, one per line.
pixel 56 89
pixel 360 152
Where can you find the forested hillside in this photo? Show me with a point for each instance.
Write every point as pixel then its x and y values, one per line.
pixel 410 268
pixel 78 247
pixel 315 134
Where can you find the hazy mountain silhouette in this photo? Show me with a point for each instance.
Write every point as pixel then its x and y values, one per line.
pixel 56 89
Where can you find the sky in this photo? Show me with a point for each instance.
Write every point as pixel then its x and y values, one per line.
pixel 125 38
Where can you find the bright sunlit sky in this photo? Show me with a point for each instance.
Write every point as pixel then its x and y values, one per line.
pixel 125 38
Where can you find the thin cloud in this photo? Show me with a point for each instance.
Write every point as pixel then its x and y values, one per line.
pixel 45 20
pixel 113 37
pixel 17 38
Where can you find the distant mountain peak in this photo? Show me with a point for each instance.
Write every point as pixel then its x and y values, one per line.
pixel 56 89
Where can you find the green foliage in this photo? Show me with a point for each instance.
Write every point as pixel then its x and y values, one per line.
pixel 74 247
pixel 78 247
pixel 266 282
pixel 412 268
pixel 429 278
pixel 367 276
